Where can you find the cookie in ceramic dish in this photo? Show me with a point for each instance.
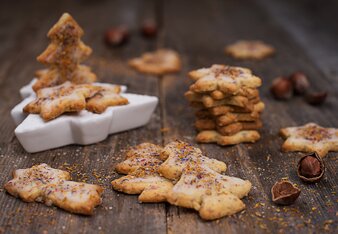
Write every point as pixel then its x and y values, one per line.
pixel 64 55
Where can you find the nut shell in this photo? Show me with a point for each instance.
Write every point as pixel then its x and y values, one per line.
pixel 316 98
pixel 116 36
pixel 311 168
pixel 281 88
pixel 284 192
pixel 300 82
pixel 149 28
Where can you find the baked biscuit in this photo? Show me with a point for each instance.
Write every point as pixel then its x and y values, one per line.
pixel 28 183
pixel 216 111
pixel 178 154
pixel 142 155
pixel 105 97
pixel 54 101
pixel 212 194
pixel 249 50
pixel 160 62
pixel 141 165
pixel 63 56
pixel 52 77
pixel 42 183
pixel 209 102
pixel 222 110
pixel 230 129
pixel 223 78
pixel 234 128
pixel 310 138
pixel 246 92
pixel 212 136
pixel 145 181
pixel 230 118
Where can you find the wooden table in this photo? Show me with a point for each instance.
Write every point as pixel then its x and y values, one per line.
pixel 305 36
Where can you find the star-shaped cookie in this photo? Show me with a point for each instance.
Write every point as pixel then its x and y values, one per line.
pixel 249 50
pixel 310 138
pixel 105 97
pixel 178 154
pixel 211 136
pixel 42 183
pixel 142 155
pixel 28 184
pixel 159 62
pixel 212 194
pixel 54 101
pixel 141 165
pixel 145 181
pixel 223 78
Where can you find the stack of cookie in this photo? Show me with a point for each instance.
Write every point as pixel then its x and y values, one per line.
pixel 228 104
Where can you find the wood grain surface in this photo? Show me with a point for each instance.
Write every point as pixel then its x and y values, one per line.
pixel 198 30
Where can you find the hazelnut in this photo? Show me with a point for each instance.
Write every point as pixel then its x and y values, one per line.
pixel 300 82
pixel 284 193
pixel 149 28
pixel 281 88
pixel 311 168
pixel 116 36
pixel 316 98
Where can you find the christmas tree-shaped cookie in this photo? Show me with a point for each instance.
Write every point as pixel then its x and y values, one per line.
pixel 64 55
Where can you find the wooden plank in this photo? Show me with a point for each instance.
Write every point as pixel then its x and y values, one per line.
pixel 312 25
pixel 93 163
pixel 199 31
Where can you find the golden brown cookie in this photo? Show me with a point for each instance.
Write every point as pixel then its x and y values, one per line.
pixel 160 62
pixel 223 78
pixel 227 130
pixel 212 194
pixel 224 109
pixel 211 136
pixel 42 183
pixel 54 101
pixel 230 118
pixel 63 56
pixel 209 102
pixel 178 154
pixel 246 92
pixel 310 138
pixel 107 96
pixel 234 128
pixel 141 165
pixel 249 50
pixel 142 155
pixel 51 77
pixel 145 181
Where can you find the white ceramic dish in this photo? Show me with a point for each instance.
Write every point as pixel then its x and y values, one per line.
pixel 81 128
